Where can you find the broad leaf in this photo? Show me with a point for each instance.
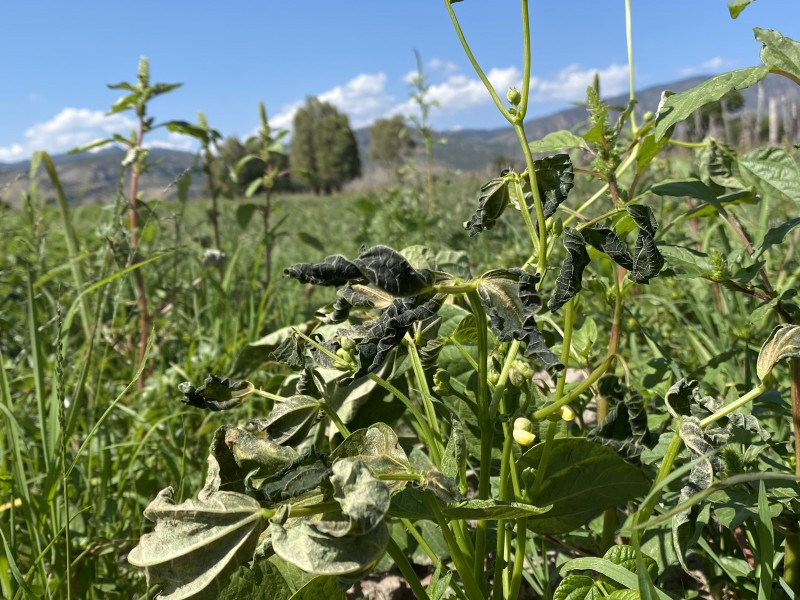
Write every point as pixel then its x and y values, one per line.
pixel 491 204
pixel 678 107
pixel 691 187
pixel 625 556
pixel 779 53
pixel 735 7
pixel 377 446
pixel 625 427
pixel 783 342
pixel 647 260
pixel 263 576
pixel 773 172
pixel 216 393
pixel 685 262
pixel 510 300
pixel 607 568
pixel 319 588
pixel 363 498
pixel 554 178
pixel 558 140
pixel 581 480
pixel 776 235
pixel 568 283
pixel 454 459
pixel 577 587
pixel 605 240
pixel 196 545
pixel 288 420
pixel 491 510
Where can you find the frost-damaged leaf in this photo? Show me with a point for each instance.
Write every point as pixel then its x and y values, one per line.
pixel 196 545
pixel 779 53
pixel 511 302
pixel 783 342
pixel 491 510
pixel 378 447
pixel 569 278
pixel 291 352
pixel 678 107
pixel 554 178
pixel 288 420
pixel 491 204
pixel 216 393
pixel 647 260
pixel 773 172
pixel 606 240
pixel 380 266
pixel 558 140
pixel 625 427
pixel 388 331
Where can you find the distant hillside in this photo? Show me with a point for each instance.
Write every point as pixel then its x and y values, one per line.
pixel 94 177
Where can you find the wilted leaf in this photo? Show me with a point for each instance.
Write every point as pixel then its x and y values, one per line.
pixel 377 446
pixel 510 300
pixel 605 240
pixel 647 260
pixel 491 204
pixel 625 427
pixel 288 420
pixel 783 342
pixel 334 270
pixel 678 107
pixel 216 393
pixel 554 178
pixel 568 283
pixel 196 545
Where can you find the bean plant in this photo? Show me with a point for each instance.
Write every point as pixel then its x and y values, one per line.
pixel 479 424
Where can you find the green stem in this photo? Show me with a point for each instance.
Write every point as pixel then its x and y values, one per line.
pixel 422 543
pixel 552 428
pixel 666 466
pixel 522 109
pixel 569 324
pixel 485 423
pixel 406 569
pixel 425 392
pixel 526 216
pixel 501 565
pixel 519 558
pixel 624 166
pixel 500 386
pixel 576 392
pixel 475 65
pixel 328 410
pixel 519 129
pixel 791 561
pixel 725 410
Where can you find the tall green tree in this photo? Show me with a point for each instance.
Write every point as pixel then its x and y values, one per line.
pixel 390 142
pixel 323 147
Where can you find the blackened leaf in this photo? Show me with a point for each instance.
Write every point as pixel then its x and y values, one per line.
pixel 196 545
pixel 647 260
pixel 334 270
pixel 288 420
pixel 510 300
pixel 388 331
pixel 491 204
pixel 554 178
pixel 625 426
pixel 390 271
pixel 569 278
pixel 605 240
pixel 216 393
pixel 680 397
pixel 291 352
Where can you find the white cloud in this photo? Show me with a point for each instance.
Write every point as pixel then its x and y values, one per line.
pixel 70 128
pixel 174 141
pixel 459 92
pixel 570 83
pixel 442 66
pixel 712 65
pixel 363 99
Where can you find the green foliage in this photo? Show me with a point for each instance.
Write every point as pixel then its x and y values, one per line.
pixel 390 141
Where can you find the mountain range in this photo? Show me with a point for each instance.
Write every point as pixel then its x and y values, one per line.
pixel 94 177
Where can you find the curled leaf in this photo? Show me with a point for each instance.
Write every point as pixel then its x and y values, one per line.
pixel 216 393
pixel 605 240
pixel 568 283
pixel 647 260
pixel 288 420
pixel 783 342
pixel 196 545
pixel 554 178
pixel 491 204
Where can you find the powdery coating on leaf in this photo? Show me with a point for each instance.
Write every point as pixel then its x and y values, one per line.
pixel 568 283
pixel 363 498
pixel 783 342
pixel 289 419
pixel 196 545
pixel 605 240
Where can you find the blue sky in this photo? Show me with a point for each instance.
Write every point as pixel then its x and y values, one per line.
pixel 59 56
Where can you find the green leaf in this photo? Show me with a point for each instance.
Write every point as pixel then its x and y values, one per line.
pixel 684 262
pixel 779 53
pixel 605 567
pixel 492 203
pixel 775 236
pixel 511 302
pixel 378 447
pixel 678 107
pixel 310 240
pixel 694 188
pixel 244 214
pixel 735 7
pixel 288 420
pixel 253 187
pixel 491 510
pixel 454 459
pixel 648 150
pixel 625 556
pixel 196 545
pixel 581 480
pixel 263 576
pixel 577 587
pixel 772 172
pixel 91 145
pixel 783 342
pixel 765 544
pixel 216 393
pixel 411 503
pixel 568 283
pixel 319 588
pixel 558 140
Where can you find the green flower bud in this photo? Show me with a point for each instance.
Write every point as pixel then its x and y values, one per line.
pixel 648 116
pixel 348 344
pixel 558 226
pixel 441 383
pixel 513 96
